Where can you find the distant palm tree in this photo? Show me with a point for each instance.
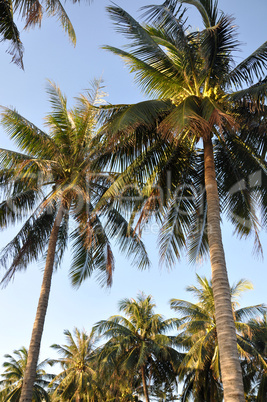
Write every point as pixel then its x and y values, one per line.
pixel 56 177
pixel 13 377
pixel 138 342
pixel 32 13
pixel 255 377
pixel 76 381
pixel 198 147
pixel 200 368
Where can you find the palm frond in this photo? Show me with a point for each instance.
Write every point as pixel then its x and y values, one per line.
pixel 26 135
pixel 55 8
pixel 253 66
pixel 10 32
pixel 27 245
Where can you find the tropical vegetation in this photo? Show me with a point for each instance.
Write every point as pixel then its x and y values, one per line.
pixel 54 178
pixel 13 376
pixel 194 153
pixel 198 148
pixel 200 368
pixel 76 381
pixel 142 356
pixel 138 343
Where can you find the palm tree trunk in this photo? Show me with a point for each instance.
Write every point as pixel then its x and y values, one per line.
pixel 34 349
pixel 144 383
pixel 229 361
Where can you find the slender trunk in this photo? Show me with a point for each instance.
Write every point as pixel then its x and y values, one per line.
pixel 34 349
pixel 144 383
pixel 229 361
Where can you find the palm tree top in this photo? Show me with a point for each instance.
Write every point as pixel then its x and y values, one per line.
pixel 59 169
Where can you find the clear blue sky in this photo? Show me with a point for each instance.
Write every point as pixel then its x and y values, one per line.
pixel 49 55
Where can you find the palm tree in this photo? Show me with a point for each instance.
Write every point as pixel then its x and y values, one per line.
pixel 53 178
pixel 197 148
pixel 138 342
pixel 32 13
pixel 76 381
pixel 13 377
pixel 82 379
pixel 255 370
pixel 200 368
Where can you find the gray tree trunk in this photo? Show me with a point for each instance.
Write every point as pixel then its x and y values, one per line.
pixel 34 349
pixel 144 384
pixel 229 361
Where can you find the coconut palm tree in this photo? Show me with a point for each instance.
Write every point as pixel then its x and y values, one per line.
pixel 55 177
pixel 13 376
pixel 76 381
pixel 32 14
pixel 198 147
pixel 138 342
pixel 200 368
pixel 255 378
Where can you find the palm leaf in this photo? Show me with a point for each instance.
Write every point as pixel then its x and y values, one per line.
pixel 10 32
pixel 253 66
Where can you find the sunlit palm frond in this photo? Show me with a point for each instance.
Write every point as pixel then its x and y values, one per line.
pixel 26 135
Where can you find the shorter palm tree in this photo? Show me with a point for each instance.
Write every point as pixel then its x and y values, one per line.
pixel 76 381
pixel 200 368
pixel 255 378
pixel 138 342
pixel 12 378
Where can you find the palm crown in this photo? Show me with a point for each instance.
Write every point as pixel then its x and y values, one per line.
pixel 60 170
pixel 192 77
pixel 200 368
pixel 13 376
pixel 139 343
pixel 76 381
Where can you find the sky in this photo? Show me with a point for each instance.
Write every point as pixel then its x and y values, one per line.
pixel 49 55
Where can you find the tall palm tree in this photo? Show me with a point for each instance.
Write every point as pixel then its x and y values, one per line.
pixel 138 342
pixel 13 377
pixel 200 368
pixel 76 381
pixel 198 147
pixel 56 177
pixel 32 14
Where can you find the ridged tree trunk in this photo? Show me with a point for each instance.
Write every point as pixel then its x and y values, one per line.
pixel 229 361
pixel 144 383
pixel 34 349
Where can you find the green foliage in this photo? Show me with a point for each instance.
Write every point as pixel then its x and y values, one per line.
pixel 13 375
pixel 138 343
pixel 200 368
pixel 198 92
pixel 61 169
pixel 31 13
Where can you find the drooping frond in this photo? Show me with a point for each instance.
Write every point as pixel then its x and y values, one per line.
pixel 10 33
pixel 254 66
pixel 28 244
pixel 92 250
pixel 55 8
pixel 253 96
